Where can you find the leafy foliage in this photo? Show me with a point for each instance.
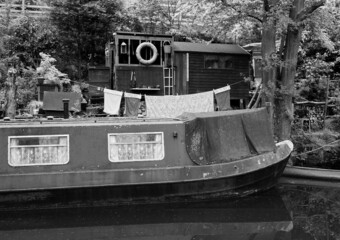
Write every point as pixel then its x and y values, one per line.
pixel 313 76
pixel 22 40
pixel 27 37
pixel 48 70
pixel 159 16
pixel 83 29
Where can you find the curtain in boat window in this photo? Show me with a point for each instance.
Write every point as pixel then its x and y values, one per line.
pixel 136 147
pixel 38 150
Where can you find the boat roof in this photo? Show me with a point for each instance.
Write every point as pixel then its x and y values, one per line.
pixel 209 48
pixel 97 121
pixel 119 120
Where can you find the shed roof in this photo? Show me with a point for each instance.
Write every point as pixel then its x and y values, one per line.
pixel 209 48
pixel 53 101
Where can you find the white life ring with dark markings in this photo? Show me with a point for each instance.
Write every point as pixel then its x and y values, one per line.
pixel 154 53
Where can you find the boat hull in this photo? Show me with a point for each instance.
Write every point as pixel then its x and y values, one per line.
pixel 217 182
pixel 199 156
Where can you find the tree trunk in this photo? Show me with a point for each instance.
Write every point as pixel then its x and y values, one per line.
pixel 11 104
pixel 285 111
pixel 268 51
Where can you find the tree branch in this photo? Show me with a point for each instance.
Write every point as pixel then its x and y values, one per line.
pixel 238 11
pixel 302 15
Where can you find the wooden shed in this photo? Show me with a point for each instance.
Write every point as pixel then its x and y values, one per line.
pixel 203 67
pixel 157 65
pixel 139 63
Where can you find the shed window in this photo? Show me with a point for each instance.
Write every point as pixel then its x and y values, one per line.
pixel 123 52
pixel 38 150
pixel 133 47
pixel 218 62
pixel 136 147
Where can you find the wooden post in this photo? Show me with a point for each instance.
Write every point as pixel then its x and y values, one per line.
pixel 66 108
pixel 270 113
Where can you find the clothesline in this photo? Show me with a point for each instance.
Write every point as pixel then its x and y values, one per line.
pixel 167 106
pixel 90 85
pixel 236 83
pixel 102 89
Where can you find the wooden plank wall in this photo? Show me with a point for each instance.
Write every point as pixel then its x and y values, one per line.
pixel 201 80
pixel 145 76
pixel 180 74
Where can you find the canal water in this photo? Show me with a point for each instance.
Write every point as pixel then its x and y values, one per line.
pixel 286 212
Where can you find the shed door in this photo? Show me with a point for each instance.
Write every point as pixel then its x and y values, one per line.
pixel 181 73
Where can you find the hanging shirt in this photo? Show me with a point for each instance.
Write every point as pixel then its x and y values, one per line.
pixel 112 100
pixel 132 104
pixel 222 96
pixel 173 106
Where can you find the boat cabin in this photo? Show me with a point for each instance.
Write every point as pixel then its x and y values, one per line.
pixel 158 65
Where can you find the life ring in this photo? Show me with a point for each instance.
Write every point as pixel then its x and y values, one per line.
pixel 154 53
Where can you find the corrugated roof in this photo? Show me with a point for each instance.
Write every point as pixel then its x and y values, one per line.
pixel 209 48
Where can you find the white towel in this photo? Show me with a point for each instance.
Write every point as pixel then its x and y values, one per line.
pixel 112 100
pixel 222 96
pixel 173 106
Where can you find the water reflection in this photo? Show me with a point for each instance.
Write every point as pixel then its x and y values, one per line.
pixel 258 217
pixel 288 212
pixel 316 211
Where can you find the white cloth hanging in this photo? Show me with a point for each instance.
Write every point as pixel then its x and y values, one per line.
pixel 112 100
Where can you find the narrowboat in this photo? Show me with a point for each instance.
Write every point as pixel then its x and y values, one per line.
pixel 193 156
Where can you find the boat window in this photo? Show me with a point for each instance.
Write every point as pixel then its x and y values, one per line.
pixel 38 150
pixel 136 147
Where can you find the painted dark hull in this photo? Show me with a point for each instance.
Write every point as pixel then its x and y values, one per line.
pixel 89 165
pixel 228 186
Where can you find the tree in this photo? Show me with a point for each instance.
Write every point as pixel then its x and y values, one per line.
pixel 281 21
pixel 22 39
pixel 83 29
pixel 158 16
pixel 286 76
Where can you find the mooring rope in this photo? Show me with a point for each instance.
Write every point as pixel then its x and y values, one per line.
pixel 316 149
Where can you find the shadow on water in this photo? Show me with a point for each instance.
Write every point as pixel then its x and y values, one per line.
pixel 262 216
pixel 288 212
